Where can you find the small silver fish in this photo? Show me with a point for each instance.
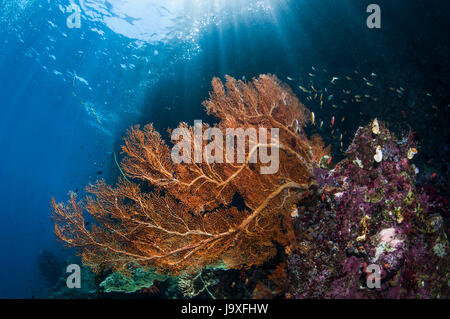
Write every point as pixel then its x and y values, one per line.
pixel 304 89
pixel 333 80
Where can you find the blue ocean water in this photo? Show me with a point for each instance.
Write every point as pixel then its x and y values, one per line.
pixel 69 94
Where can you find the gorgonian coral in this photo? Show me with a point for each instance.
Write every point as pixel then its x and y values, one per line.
pixel 188 220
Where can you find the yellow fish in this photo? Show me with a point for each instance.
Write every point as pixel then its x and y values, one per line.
pixel 303 89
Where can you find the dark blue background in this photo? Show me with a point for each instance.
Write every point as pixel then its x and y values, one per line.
pixel 50 144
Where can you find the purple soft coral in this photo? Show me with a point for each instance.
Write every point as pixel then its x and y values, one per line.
pixel 372 213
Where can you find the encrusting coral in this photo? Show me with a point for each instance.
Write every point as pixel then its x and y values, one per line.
pixel 188 220
pixel 372 214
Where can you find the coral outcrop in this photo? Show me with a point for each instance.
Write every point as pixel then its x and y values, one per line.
pixel 362 229
pixel 372 215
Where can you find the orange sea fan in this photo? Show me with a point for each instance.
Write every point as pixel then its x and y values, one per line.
pixel 189 221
